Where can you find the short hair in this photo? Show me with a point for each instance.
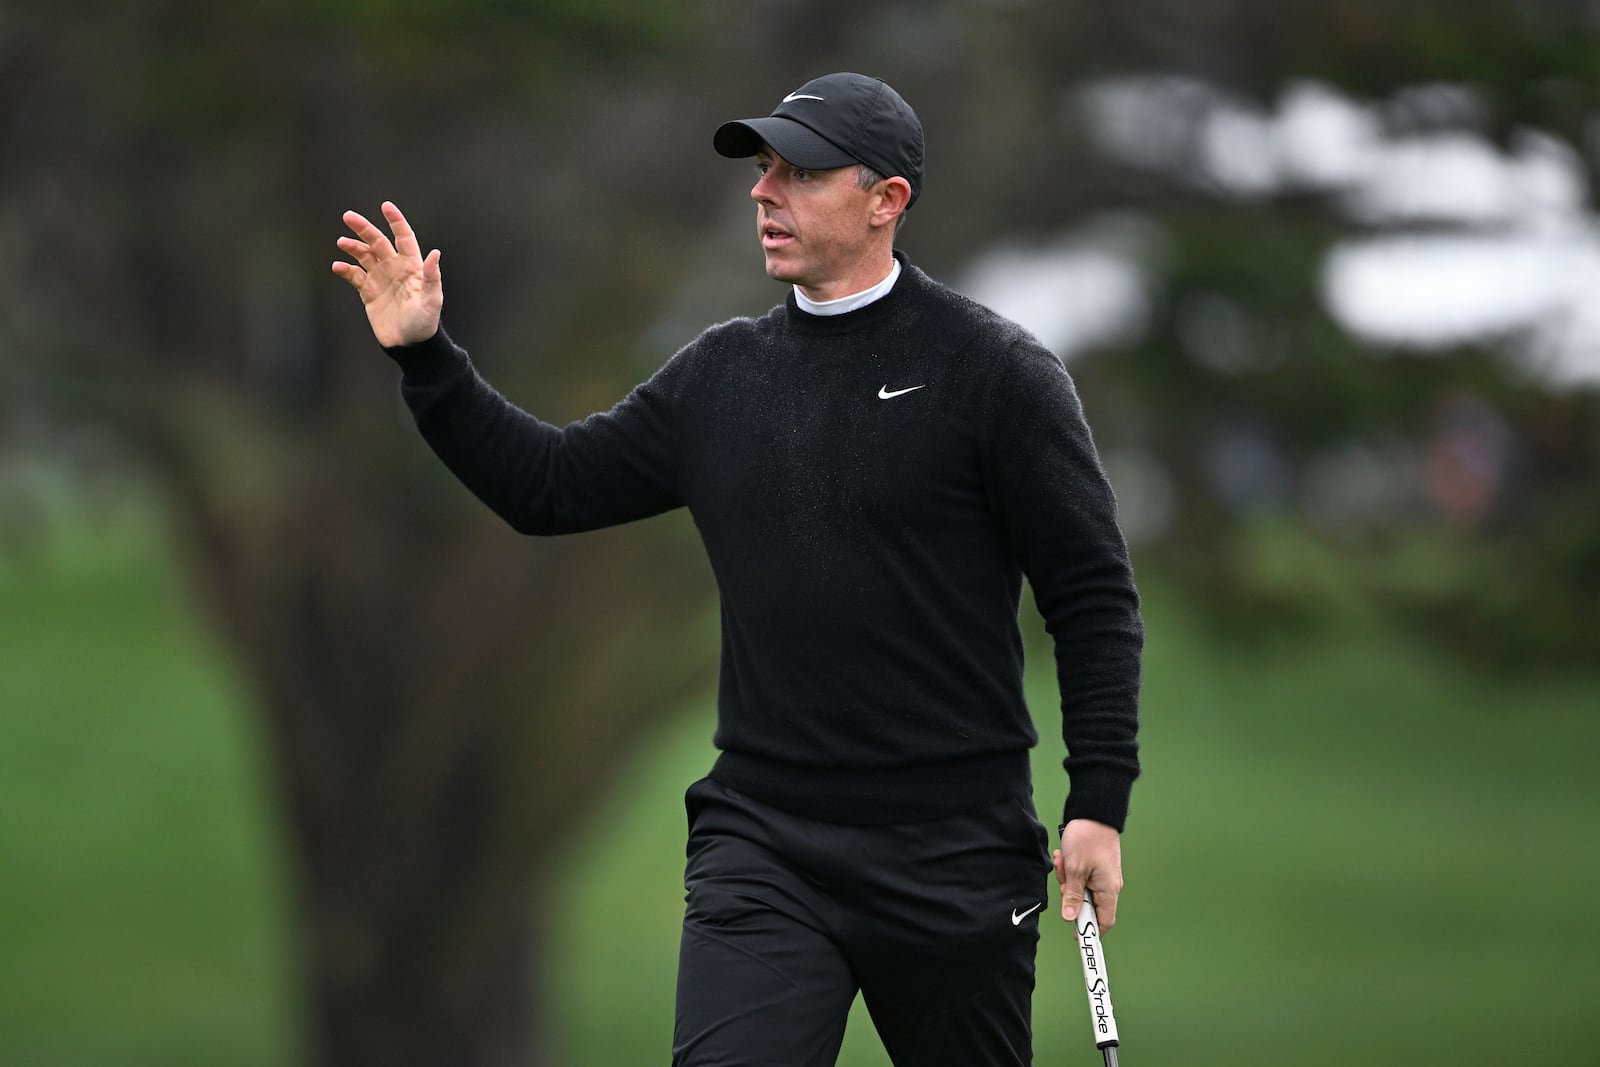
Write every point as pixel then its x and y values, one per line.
pixel 866 178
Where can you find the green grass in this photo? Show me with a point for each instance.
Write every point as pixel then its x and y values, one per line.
pixel 141 917
pixel 1345 849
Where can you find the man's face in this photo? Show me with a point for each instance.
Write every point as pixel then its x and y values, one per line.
pixel 814 225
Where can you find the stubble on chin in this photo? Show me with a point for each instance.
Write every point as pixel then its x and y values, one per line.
pixel 778 270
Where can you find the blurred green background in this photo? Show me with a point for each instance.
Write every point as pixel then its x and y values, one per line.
pixel 305 759
pixel 1346 848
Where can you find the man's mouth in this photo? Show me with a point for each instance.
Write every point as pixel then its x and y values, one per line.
pixel 774 236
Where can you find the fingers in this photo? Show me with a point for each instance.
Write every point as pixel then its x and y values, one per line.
pixel 1074 889
pixel 369 246
pixel 370 235
pixel 1105 906
pixel 405 240
pixel 1072 886
pixel 359 251
pixel 350 273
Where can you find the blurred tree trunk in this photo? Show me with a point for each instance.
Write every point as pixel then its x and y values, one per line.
pixel 444 700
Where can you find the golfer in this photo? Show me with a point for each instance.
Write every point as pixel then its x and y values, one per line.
pixel 874 465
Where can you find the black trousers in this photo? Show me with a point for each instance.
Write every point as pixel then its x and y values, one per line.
pixel 934 923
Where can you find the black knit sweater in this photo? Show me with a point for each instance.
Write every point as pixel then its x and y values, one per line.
pixel 871 488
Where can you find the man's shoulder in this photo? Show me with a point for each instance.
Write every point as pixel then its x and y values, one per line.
pixel 975 326
pixel 737 331
pixel 713 342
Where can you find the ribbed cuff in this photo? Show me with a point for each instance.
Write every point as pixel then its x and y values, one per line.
pixel 1099 793
pixel 436 358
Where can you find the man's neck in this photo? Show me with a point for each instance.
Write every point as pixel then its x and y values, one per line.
pixel 864 273
pixel 856 298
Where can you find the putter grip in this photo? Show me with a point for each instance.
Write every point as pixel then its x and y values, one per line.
pixel 1094 976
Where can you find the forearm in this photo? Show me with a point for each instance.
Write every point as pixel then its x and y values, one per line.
pixel 1099 640
pixel 539 478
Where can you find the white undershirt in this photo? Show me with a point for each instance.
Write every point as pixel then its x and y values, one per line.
pixel 847 303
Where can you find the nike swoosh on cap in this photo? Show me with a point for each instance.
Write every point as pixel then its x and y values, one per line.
pixel 799 96
pixel 886 394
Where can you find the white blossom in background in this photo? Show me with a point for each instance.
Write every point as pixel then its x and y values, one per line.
pixel 1462 179
pixel 1328 141
pixel 1475 243
pixel 1146 122
pixel 1088 288
pixel 1240 152
pixel 1446 289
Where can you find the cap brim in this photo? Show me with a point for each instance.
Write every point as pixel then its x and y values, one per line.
pixel 794 141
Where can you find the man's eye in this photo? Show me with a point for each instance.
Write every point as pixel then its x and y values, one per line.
pixel 761 168
pixel 802 175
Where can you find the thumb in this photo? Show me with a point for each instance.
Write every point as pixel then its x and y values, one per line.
pixel 1071 900
pixel 1071 888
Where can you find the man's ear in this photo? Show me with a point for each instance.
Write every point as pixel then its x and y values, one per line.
pixel 893 195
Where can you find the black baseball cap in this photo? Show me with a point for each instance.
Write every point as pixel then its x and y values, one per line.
pixel 834 121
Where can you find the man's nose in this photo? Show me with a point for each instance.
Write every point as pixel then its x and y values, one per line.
pixel 764 191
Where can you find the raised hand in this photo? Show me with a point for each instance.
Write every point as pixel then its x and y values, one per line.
pixel 402 291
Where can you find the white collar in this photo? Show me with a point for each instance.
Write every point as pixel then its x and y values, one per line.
pixel 847 303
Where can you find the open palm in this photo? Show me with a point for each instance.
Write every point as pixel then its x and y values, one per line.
pixel 403 292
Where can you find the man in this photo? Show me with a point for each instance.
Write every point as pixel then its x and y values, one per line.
pixel 873 467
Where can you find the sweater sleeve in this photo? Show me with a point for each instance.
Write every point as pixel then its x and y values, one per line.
pixel 1060 518
pixel 610 468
